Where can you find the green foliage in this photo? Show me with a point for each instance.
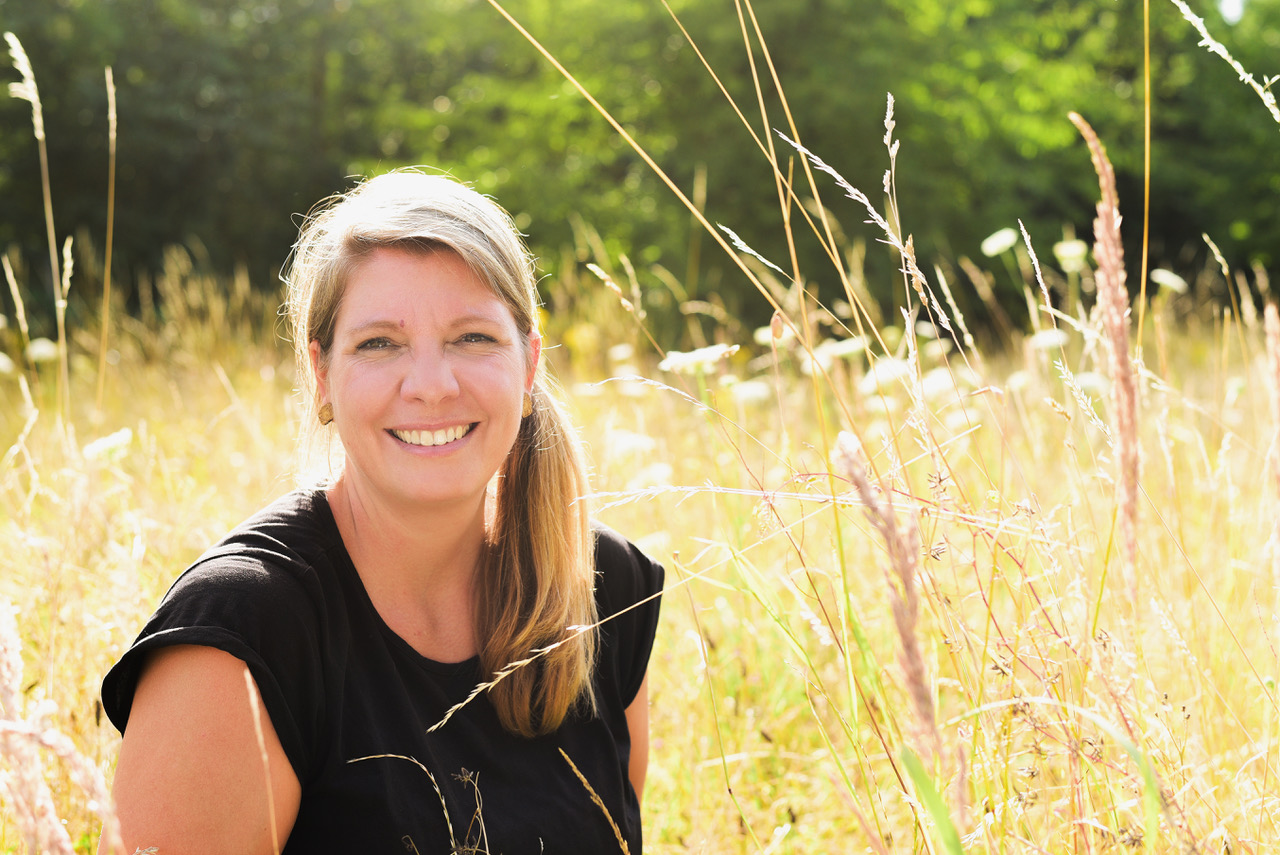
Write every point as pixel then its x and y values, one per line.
pixel 237 114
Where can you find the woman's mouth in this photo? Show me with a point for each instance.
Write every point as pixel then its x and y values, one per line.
pixel 429 438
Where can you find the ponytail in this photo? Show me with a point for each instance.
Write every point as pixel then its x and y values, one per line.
pixel 538 579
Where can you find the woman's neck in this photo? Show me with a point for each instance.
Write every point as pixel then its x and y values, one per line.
pixel 418 566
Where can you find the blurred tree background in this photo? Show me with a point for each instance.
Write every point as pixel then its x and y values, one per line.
pixel 236 116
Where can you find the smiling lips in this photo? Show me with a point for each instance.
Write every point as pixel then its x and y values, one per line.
pixel 443 436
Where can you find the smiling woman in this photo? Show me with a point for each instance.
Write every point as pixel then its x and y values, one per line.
pixel 442 641
pixel 425 377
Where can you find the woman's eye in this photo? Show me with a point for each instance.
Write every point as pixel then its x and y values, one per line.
pixel 374 344
pixel 476 338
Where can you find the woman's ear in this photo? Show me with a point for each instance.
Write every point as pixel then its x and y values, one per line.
pixel 320 369
pixel 535 354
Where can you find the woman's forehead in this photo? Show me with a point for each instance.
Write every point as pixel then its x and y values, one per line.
pixel 438 284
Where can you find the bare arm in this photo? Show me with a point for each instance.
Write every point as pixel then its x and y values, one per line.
pixel 191 776
pixel 638 725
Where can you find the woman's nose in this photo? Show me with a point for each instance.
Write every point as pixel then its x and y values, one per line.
pixel 430 378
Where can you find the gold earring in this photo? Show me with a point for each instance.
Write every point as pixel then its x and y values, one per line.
pixel 326 414
pixel 527 409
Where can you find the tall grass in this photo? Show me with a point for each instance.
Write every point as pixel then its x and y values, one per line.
pixel 920 597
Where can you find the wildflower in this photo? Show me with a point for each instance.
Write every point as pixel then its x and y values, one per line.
pixel 1169 279
pixel 6 364
pixel 42 350
pixel 1093 383
pixel 653 475
pixel 621 352
pixel 110 447
pixel 697 361
pixel 935 348
pixel 1071 255
pixel 1000 242
pixel 829 350
pixel 1018 381
pixel 751 391
pixel 814 362
pixel 926 329
pixel 845 347
pixel 764 336
pixel 881 405
pixel 885 371
pixel 958 420
pixel 1049 339
pixel 621 442
pixel 938 383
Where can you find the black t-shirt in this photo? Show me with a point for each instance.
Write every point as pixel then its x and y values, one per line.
pixel 281 593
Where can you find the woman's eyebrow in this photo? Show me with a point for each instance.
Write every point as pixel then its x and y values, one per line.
pixel 374 326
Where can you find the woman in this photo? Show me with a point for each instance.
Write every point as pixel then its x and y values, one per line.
pixel 367 612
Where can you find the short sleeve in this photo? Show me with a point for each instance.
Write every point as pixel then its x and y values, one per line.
pixel 629 590
pixel 263 615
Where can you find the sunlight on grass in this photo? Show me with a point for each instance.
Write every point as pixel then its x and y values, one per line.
pixel 907 606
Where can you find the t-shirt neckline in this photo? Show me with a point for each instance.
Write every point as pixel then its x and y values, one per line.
pixel 347 569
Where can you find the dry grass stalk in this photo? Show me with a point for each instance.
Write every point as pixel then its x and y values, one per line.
pixel 22 777
pixel 444 807
pixel 902 540
pixel 111 224
pixel 1271 322
pixel 255 705
pixel 1113 304
pixel 1264 91
pixel 26 90
pixel 599 802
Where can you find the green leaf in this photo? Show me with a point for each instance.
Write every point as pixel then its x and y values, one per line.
pixel 929 796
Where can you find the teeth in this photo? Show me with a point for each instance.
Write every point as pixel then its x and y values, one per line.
pixel 432 437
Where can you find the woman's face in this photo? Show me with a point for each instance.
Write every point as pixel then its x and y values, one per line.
pixel 426 376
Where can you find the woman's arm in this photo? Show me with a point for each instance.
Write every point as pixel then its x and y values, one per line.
pixel 191 776
pixel 638 725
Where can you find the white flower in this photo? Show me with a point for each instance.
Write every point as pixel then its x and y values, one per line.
pixel 751 391
pixel 1169 279
pixel 838 348
pixel 938 383
pixel 6 364
pixel 935 348
pixel 959 420
pixel 42 350
pixel 1018 381
pixel 926 329
pixel 1071 254
pixel 653 475
pixel 1050 339
pixel 1093 383
pixel 110 447
pixel 818 358
pixel 1000 242
pixel 621 352
pixel 886 370
pixel 697 361
pixel 763 336
pixel 621 442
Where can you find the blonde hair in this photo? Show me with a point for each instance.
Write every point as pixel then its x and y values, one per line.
pixel 537 576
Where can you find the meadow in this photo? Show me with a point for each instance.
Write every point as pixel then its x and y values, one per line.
pixel 926 591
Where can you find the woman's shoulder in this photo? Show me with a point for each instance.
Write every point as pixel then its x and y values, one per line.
pixel 615 553
pixel 628 599
pixel 265 593
pixel 295 528
pixel 281 549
